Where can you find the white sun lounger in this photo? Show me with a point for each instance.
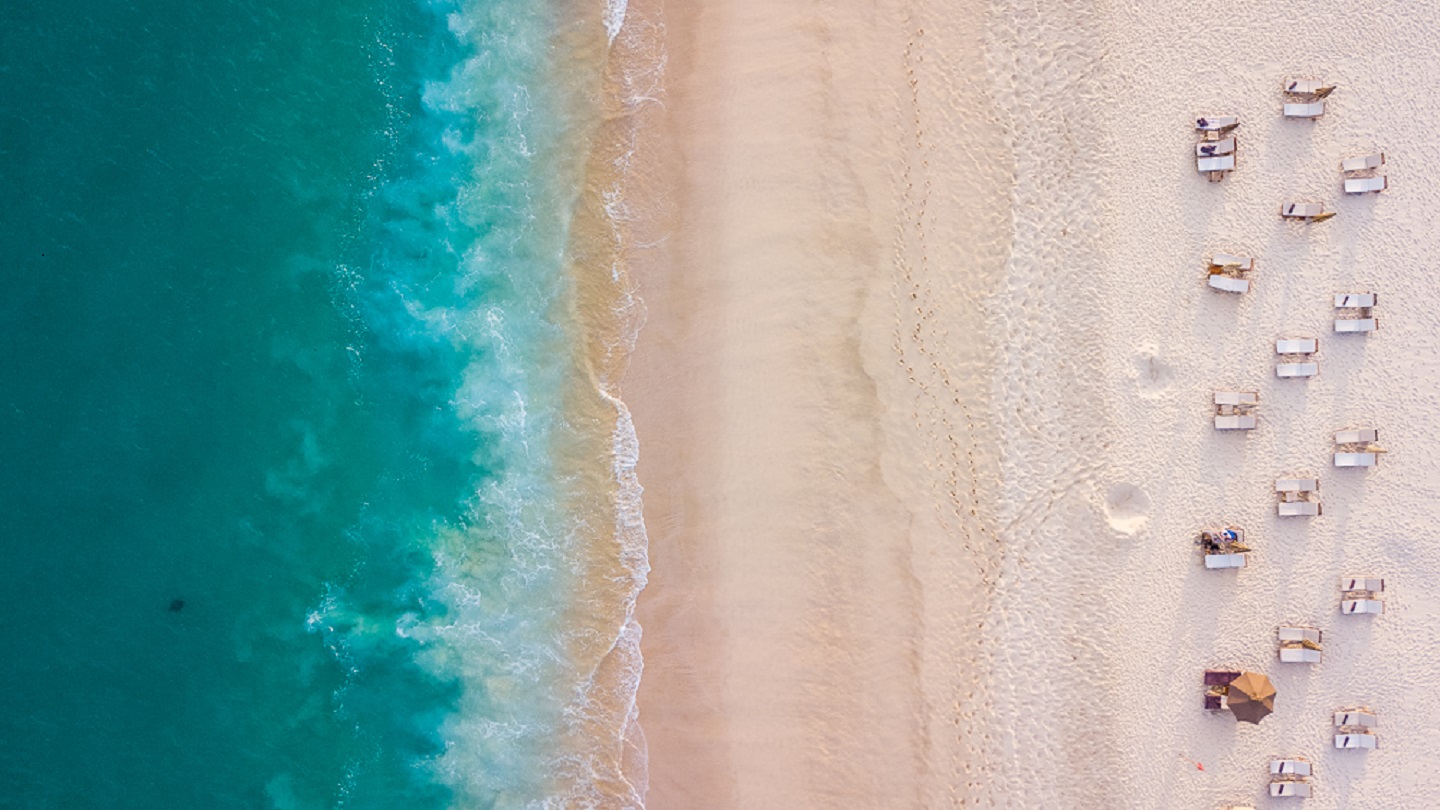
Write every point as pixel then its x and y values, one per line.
pixel 1297 485
pixel 1371 584
pixel 1229 284
pixel 1232 261
pixel 1356 460
pixel 1216 123
pixel 1357 718
pixel 1358 435
pixel 1356 300
pixel 1365 741
pixel 1297 346
pixel 1206 149
pixel 1297 509
pixel 1366 185
pixel 1311 109
pixel 1224 163
pixel 1299 655
pixel 1351 607
pixel 1225 561
pixel 1235 422
pixel 1289 767
pixel 1308 87
pixel 1297 790
pixel 1309 211
pixel 1352 325
pixel 1292 370
pixel 1237 398
pixel 1363 162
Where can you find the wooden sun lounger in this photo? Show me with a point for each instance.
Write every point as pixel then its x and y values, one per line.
pixel 1297 790
pixel 1363 162
pixel 1366 185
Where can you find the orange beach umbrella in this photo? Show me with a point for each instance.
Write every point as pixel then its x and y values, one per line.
pixel 1250 697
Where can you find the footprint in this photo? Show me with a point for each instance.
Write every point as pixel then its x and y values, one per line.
pixel 1127 508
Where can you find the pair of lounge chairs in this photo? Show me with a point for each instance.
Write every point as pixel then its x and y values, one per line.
pixel 1305 98
pixel 1235 410
pixel 1226 272
pixel 1361 595
pixel 1357 448
pixel 1355 729
pixel 1298 497
pixel 1361 175
pixel 1224 548
pixel 1355 312
pixel 1291 777
pixel 1296 357
pixel 1299 645
pixel 1215 152
pixel 1217 688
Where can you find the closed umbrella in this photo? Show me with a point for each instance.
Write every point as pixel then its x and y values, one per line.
pixel 1251 696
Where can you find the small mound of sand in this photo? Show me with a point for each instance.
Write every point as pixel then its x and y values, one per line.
pixel 1127 508
pixel 1152 375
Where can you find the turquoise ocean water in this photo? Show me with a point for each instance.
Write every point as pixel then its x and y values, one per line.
pixel 286 365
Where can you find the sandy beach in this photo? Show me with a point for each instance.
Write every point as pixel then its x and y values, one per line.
pixel 923 404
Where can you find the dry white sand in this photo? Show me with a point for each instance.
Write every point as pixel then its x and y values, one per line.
pixel 923 405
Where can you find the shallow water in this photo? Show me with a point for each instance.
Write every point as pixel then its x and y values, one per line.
pixel 285 370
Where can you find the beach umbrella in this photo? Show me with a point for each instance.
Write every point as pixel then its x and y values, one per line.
pixel 1251 696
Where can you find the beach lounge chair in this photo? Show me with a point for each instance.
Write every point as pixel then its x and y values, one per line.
pixel 1362 741
pixel 1356 718
pixel 1366 742
pixel 1224 146
pixel 1367 584
pixel 1214 561
pixel 1366 185
pixel 1290 767
pixel 1228 261
pixel 1363 163
pixel 1310 212
pixel 1352 607
pixel 1357 436
pixel 1293 789
pixel 1297 346
pixel 1308 109
pixel 1296 370
pixel 1356 460
pixel 1229 284
pixel 1216 123
pixel 1308 87
pixel 1299 497
pixel 1220 677
pixel 1233 410
pixel 1215 166
pixel 1354 325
